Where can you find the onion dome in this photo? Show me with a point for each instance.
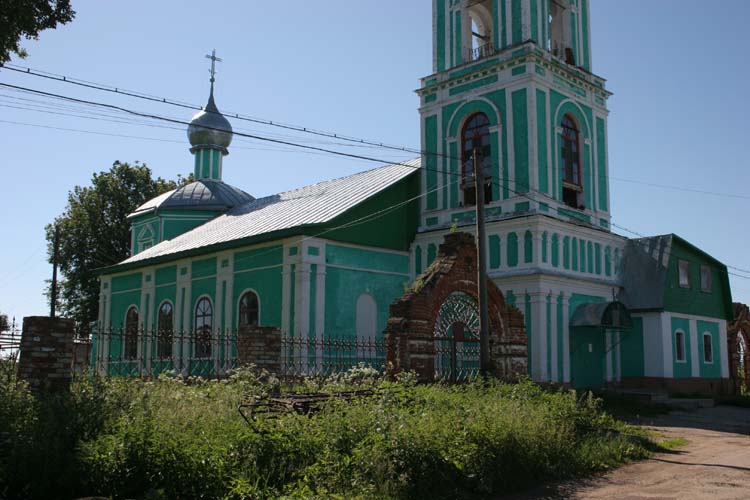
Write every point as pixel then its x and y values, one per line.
pixel 209 128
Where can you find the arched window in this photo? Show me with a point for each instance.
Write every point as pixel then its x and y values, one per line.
pixel 249 309
pixel 131 333
pixel 367 317
pixel 475 138
pixel 165 327
pixel 571 162
pixel 204 322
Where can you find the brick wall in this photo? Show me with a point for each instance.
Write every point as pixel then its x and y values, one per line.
pixel 46 353
pixel 410 330
pixel 261 346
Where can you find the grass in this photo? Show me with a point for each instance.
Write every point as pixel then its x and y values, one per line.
pixel 630 408
pixel 173 438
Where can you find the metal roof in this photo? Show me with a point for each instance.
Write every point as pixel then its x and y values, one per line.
pixel 198 195
pixel 314 204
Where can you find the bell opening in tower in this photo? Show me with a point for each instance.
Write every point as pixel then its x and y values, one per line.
pixel 558 41
pixel 570 153
pixel 476 147
pixel 481 36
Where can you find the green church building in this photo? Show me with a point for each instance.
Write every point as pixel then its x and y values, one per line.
pixel 513 89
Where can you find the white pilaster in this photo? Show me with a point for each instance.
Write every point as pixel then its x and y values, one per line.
pixel 695 369
pixel 566 338
pixel 553 338
pixel 666 336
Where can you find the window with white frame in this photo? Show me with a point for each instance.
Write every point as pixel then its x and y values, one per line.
pixel 708 349
pixel 684 272
pixel 679 340
pixel 706 283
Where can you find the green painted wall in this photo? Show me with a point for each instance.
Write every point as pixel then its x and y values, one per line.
pixel 394 229
pixel 587 348
pixel 715 304
pixel 366 259
pixel 267 283
pixel 682 369
pixel 126 282
pixel 343 288
pixel 512 251
pixel 203 268
pixel 709 370
pixel 494 243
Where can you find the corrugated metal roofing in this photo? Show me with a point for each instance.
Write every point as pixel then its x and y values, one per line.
pixel 198 195
pixel 314 204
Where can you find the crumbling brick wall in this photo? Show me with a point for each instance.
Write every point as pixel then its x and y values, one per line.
pixel 409 333
pixel 261 346
pixel 46 353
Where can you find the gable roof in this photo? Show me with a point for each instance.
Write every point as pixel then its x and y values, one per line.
pixel 307 206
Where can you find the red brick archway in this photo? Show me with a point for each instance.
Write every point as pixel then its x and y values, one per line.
pixel 410 330
pixel 738 334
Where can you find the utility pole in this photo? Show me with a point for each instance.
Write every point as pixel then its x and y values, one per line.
pixel 55 256
pixel 484 339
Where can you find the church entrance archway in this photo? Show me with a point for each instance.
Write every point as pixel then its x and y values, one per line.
pixel 457 339
pixel 433 328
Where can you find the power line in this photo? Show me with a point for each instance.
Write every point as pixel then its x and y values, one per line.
pixel 164 100
pixel 267 139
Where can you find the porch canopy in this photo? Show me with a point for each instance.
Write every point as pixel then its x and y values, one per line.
pixel 609 315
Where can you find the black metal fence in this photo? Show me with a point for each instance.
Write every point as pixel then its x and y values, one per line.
pixel 10 339
pixel 121 352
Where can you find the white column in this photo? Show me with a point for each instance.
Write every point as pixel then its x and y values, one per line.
pixel 553 338
pixel 695 369
pixel 539 337
pixel 666 338
pixel 608 354
pixel 320 308
pixel 566 337
pixel 302 305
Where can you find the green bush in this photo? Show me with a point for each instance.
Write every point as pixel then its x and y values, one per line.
pixel 179 439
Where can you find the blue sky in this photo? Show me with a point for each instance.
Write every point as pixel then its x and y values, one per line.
pixel 678 114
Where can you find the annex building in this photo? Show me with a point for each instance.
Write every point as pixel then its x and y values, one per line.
pixel 513 88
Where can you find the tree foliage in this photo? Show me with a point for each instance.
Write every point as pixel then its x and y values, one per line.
pixel 25 19
pixel 95 233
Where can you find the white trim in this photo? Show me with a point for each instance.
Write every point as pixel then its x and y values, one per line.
pixel 684 360
pixel 694 357
pixel 255 269
pixel 723 349
pixel 349 268
pixel 666 337
pixel 365 247
pixel 713 356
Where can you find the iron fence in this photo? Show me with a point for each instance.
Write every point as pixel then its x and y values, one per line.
pixel 10 340
pixel 200 353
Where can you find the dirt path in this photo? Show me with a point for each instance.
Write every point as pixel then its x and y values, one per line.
pixel 714 464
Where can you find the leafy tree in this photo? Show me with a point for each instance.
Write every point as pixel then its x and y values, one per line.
pixel 95 233
pixel 4 325
pixel 26 18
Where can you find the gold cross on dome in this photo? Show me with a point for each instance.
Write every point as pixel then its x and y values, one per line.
pixel 214 60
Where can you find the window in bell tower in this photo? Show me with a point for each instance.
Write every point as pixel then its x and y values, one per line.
pixel 570 153
pixel 475 140
pixel 558 42
pixel 480 20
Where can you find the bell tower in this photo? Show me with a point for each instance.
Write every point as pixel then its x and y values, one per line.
pixel 467 30
pixel 516 76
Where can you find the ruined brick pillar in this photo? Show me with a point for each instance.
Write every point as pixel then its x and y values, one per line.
pixel 260 346
pixel 410 331
pixel 46 354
